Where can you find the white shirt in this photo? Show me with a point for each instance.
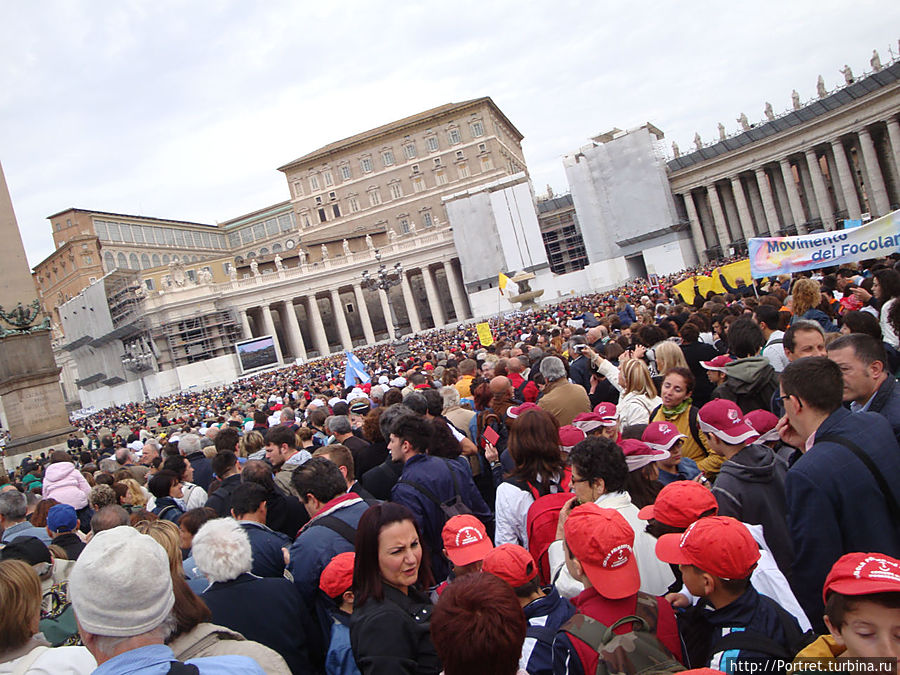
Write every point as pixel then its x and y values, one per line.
pixel 775 353
pixel 511 514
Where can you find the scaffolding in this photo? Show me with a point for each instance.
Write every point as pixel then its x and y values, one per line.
pixel 562 235
pixel 198 338
pixel 122 297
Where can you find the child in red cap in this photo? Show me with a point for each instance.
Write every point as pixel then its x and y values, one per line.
pixel 599 553
pixel 750 485
pixel 336 582
pixel 862 608
pixel 466 543
pixel 545 610
pixel 732 622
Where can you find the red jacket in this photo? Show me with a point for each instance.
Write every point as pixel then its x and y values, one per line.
pixel 529 393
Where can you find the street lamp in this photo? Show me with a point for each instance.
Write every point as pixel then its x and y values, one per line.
pixel 384 279
pixel 137 360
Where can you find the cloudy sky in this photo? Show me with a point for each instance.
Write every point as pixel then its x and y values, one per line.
pixel 184 110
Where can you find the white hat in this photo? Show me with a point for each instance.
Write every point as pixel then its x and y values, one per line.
pixel 106 568
pixel 334 400
pixel 384 379
pixel 136 446
pixel 174 439
pixel 398 382
pixel 355 394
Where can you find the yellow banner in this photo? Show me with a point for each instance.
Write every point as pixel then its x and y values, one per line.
pixel 686 289
pixel 484 334
pixel 733 272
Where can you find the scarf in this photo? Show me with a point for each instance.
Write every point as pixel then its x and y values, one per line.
pixel 672 413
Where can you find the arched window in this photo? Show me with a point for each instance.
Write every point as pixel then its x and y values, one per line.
pixel 251 254
pixel 122 261
pixel 175 257
pixel 109 262
pixel 195 258
pixel 165 259
pixel 239 260
pixel 276 248
pixel 133 262
pixel 156 260
pixel 264 251
pixel 145 261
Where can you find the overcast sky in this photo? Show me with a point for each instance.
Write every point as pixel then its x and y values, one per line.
pixel 185 110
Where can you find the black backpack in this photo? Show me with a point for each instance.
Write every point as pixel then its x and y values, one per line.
pixel 455 506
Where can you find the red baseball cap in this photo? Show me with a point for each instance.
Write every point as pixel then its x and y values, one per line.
pixel 862 574
pixel 725 420
pixel 763 422
pixel 717 363
pixel 337 576
pixel 603 542
pixel 466 540
pixel 661 435
pixel 517 410
pixel 512 563
pixel 428 366
pixel 680 503
pixel 587 422
pixel 719 545
pixel 638 454
pixel 607 411
pixel 570 436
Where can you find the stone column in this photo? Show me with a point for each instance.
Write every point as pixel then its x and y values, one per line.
pixel 793 196
pixel 364 314
pixel 847 183
pixel 386 313
pixel 765 190
pixel 414 323
pixel 818 181
pixel 245 324
pixel 453 284
pixel 434 300
pixel 343 329
pixel 876 182
pixel 893 127
pixel 269 328
pixel 292 329
pixel 318 328
pixel 696 230
pixel 719 218
pixel 781 198
pixel 743 210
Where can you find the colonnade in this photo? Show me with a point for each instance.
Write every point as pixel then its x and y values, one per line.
pixel 433 309
pixel 799 191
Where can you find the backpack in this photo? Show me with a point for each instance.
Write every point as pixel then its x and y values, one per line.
pixel 693 424
pixel 542 519
pixel 754 641
pixel 637 652
pixel 455 506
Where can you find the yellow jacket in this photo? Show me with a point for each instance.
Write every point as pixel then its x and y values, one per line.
pixel 825 647
pixel 707 461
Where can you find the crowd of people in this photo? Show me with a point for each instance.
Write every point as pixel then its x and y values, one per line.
pixel 620 481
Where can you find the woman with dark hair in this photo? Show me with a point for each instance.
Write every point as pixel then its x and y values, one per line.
pixel 166 487
pixel 390 625
pixel 539 470
pixel 861 322
pixel 677 407
pixel 194 496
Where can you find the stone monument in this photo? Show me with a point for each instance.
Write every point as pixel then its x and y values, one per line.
pixel 526 297
pixel 29 377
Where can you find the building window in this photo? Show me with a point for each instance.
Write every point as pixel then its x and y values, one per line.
pixel 432 143
pixel 486 164
pixel 396 191
pixel 271 227
pixel 441 178
pixel 336 209
pixel 460 154
pixel 156 260
pixel 410 150
pixel 192 275
pixel 345 172
pixel 415 168
pixel 477 129
pixel 322 217
pixel 298 189
pixel 453 136
pixel 328 178
pixel 226 268
pixel 387 157
pixel 374 197
pixel 145 261
pixel 482 147
pixel 92 280
pixel 354 204
pixel 404 226
pixel 463 170
pixel 88 260
pixel 426 219
pixel 437 161
pixel 147 282
pixel 332 196
pixel 313 183
pixel 306 221
pixel 418 184
pixel 366 164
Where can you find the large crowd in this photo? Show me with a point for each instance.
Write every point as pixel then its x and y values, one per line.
pixel 619 482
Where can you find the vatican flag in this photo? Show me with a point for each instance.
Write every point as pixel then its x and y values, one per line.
pixel 502 280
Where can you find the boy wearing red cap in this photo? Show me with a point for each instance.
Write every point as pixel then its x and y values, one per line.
pixel 750 485
pixel 663 435
pixel 599 553
pixel 545 610
pixel 466 543
pixel 731 622
pixel 336 582
pixel 862 608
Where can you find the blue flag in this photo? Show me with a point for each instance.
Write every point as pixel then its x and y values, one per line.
pixel 355 370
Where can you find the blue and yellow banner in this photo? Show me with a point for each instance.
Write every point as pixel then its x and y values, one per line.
pixel 784 255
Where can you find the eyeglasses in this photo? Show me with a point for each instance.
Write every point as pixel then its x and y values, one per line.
pixel 779 399
pixel 582 480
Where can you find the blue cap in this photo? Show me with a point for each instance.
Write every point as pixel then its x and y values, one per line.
pixel 61 518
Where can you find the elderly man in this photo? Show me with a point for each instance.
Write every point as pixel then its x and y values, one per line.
pixel 189 446
pixel 561 398
pixel 13 507
pixel 364 455
pixel 128 636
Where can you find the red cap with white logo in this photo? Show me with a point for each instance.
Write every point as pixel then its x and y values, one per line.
pixel 862 574
pixel 718 545
pixel 466 540
pixel 661 435
pixel 725 420
pixel 603 542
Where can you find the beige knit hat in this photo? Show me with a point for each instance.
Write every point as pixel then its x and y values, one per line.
pixel 120 585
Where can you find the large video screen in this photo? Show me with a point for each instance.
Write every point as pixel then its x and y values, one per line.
pixel 256 353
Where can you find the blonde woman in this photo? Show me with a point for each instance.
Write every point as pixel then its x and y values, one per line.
pixel 637 393
pixel 251 443
pixel 668 355
pixel 806 296
pixel 135 498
